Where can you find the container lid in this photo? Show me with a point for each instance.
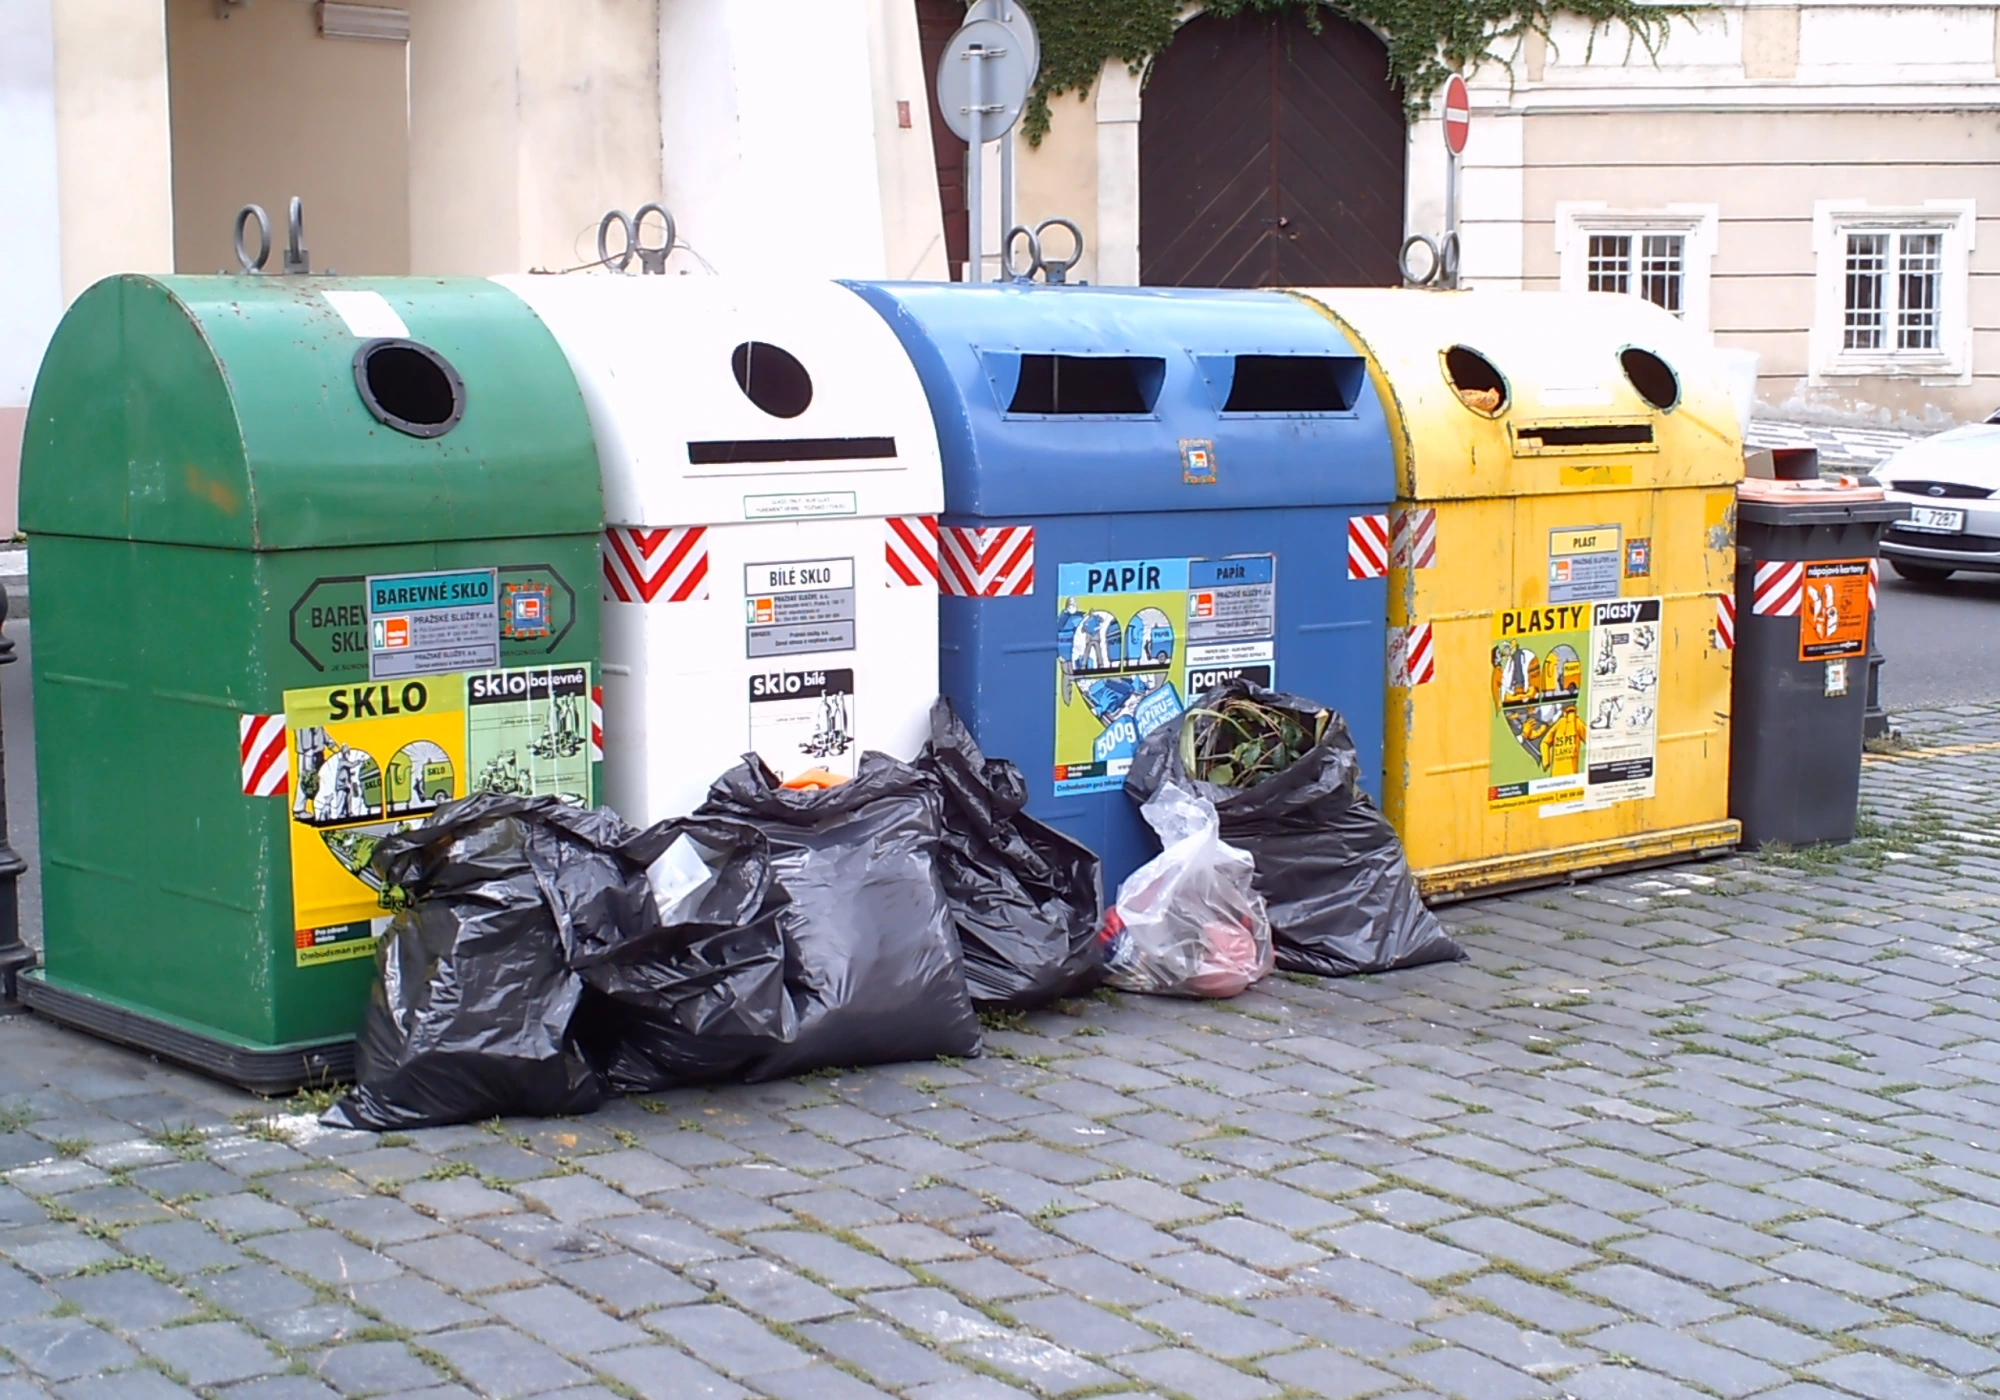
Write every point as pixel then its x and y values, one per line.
pixel 722 400
pixel 1108 400
pixel 270 413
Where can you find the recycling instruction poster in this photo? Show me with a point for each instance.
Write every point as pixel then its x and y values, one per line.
pixel 1127 633
pixel 1575 695
pixel 370 760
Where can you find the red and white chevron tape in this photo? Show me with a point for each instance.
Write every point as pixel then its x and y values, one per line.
pixel 648 566
pixel 597 724
pixel 1725 622
pixel 1777 588
pixel 910 545
pixel 1410 659
pixel 1874 581
pixel 995 561
pixel 261 744
pixel 1413 539
pixel 1367 546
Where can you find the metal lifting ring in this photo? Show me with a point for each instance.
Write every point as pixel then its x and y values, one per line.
pixel 1007 254
pixel 249 263
pixel 1431 271
pixel 1053 273
pixel 1448 260
pixel 297 260
pixel 624 258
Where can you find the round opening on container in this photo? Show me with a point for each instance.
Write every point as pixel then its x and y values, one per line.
pixel 1479 385
pixel 1653 377
pixel 771 378
pixel 410 387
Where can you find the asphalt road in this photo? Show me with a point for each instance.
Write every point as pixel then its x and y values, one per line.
pixel 1941 641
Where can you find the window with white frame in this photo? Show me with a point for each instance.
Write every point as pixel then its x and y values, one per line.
pixel 1662 256
pixel 1893 287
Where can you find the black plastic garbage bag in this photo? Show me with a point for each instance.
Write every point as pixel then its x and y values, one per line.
pixel 1339 889
pixel 697 991
pixel 1026 899
pixel 873 967
pixel 471 1010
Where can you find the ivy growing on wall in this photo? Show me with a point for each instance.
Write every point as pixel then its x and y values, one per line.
pixel 1427 39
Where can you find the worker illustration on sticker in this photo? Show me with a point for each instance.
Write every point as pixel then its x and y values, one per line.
pixel 527 732
pixel 1538 739
pixel 1120 665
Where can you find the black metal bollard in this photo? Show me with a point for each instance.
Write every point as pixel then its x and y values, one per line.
pixel 14 954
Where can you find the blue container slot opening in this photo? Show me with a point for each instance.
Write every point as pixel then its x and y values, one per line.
pixel 1283 386
pixel 1039 385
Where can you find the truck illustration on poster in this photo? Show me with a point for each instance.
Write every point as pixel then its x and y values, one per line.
pixel 1121 665
pixel 528 732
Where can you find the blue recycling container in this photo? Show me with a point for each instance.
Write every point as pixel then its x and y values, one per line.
pixel 1147 491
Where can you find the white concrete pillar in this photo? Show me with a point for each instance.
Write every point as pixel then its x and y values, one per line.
pixel 31 294
pixel 1118 175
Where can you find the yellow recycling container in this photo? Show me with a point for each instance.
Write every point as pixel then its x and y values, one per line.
pixel 1561 566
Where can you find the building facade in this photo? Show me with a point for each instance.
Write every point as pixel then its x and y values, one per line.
pixel 1816 182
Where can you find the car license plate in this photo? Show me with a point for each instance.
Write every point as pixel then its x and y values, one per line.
pixel 1936 520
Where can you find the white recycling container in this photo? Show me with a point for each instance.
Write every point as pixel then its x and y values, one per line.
pixel 771 490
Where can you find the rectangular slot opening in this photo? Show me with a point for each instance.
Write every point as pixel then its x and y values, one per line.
pixel 1074 386
pixel 1293 384
pixel 1531 438
pixel 723 453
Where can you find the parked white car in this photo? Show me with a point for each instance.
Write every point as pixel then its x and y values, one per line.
pixel 1951 483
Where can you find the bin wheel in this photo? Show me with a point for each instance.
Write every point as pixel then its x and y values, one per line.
pixel 1921 573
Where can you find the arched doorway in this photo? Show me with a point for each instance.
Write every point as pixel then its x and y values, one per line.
pixel 1270 155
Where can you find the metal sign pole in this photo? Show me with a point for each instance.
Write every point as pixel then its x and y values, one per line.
pixel 1006 153
pixel 975 175
pixel 1451 202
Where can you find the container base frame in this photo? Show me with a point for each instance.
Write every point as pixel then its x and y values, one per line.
pixel 1446 884
pixel 269 1070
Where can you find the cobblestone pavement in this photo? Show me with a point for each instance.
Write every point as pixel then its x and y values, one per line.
pixel 1727 1130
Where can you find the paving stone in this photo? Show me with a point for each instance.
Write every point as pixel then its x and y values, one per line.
pixel 879 1351
pixel 564 1321
pixel 1080 1326
pixel 126 1299
pixel 1097 1279
pixel 1650 1295
pixel 1625 1383
pixel 1808 1305
pixel 1674 1353
pixel 502 1363
pixel 1361 1333
pixel 458 1198
pixel 574 1198
pixel 374 1368
pixel 1506 1241
pixel 253 1289
pixel 638 1173
pixel 244 1215
pixel 1456 1371
pixel 1766 1340
pixel 63 1348
pixel 377 1220
pixel 1323 1372
pixel 414 1304
pixel 325 1257
pixel 318 1325
pixel 817 1383
pixel 985 1280
pixel 211 1353
pixel 137 1384
pixel 463 1265
pixel 908 1243
pixel 1251 1242
pixel 1940 1349
pixel 1191 1373
pixel 1536 1353
pixel 1841 1275
pixel 1041 1365
pixel 1208 1276
pixel 184 1246
pixel 1411 1255
pixel 1696 1263
pixel 761 1287
pixel 1880 1378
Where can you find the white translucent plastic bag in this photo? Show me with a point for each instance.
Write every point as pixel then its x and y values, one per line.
pixel 1188 922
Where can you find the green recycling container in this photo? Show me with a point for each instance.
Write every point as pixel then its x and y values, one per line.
pixel 312 555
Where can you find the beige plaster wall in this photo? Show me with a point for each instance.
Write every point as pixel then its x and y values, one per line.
pixel 262 109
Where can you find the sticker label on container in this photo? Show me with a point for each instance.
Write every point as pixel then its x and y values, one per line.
pixel 798 606
pixel 1134 637
pixel 801 720
pixel 330 623
pixel 369 760
pixel 527 732
pixel 1584 564
pixel 432 624
pixel 367 315
pixel 1575 690
pixel 795 504
pixel 1833 623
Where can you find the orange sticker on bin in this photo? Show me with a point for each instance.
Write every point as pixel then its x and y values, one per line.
pixel 1833 616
